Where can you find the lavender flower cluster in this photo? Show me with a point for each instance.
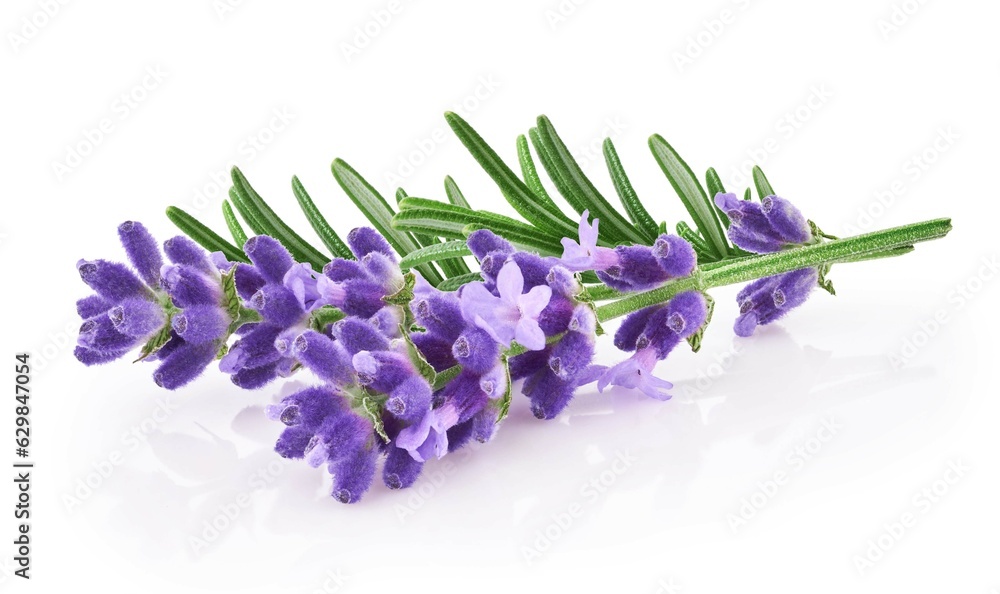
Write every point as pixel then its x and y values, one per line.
pixel 378 339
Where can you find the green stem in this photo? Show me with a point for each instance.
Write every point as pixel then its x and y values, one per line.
pixel 890 242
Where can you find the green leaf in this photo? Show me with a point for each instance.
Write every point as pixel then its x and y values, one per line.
pixel 435 252
pixel 318 222
pixel 505 400
pixel 322 317
pixel 613 224
pixel 714 183
pixel 379 213
pixel 239 235
pixel 747 195
pixel 230 297
pixel 162 337
pixel 373 409
pixel 449 267
pixel 445 376
pixel 695 339
pixel 417 358
pixel 277 228
pixel 626 193
pixel 242 206
pixel 404 295
pixel 205 237
pixel 535 209
pixel 446 220
pixel 530 174
pixel 760 182
pixel 705 253
pixel 691 193
pixel 453 283
pixel 454 194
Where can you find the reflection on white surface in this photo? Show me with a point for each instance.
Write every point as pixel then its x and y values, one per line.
pixel 208 489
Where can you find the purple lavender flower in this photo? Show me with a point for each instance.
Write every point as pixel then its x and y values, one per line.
pixel 653 333
pixel 512 315
pixel 132 305
pixel 586 254
pixel 770 226
pixel 428 438
pixel 768 299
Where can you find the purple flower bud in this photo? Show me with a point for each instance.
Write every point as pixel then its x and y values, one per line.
pixel 529 363
pixel 324 357
pixel 342 433
pixel 361 297
pixel 92 305
pixel 484 241
pixel 99 333
pixel 310 407
pixel 383 269
pixel 476 351
pixel 631 328
pixel 583 320
pixel 548 393
pixel 435 349
pixel 674 255
pixel 142 251
pixel 137 317
pixel 340 270
pixel 382 370
pixel 292 442
pixel 400 470
pixel 358 335
pixel 556 316
pixel 687 312
pixel 484 424
pixel 187 287
pixel 637 270
pixel 278 305
pixel 184 364
pixel 410 399
pixel 201 323
pixel 91 357
pixel 112 281
pixel 464 395
pixel 491 265
pixel 253 378
pixel 253 349
pixel 493 383
pixel 571 355
pixel 182 251
pixel 785 219
pixel 534 268
pixel 563 282
pixel 439 313
pixel 353 476
pixel 768 299
pixel 659 334
pixel 365 240
pixel 248 281
pixel 269 256
pixel 459 435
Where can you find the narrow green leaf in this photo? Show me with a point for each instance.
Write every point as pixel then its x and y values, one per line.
pixel 240 203
pixel 378 212
pixel 613 224
pixel 705 253
pixel 626 193
pixel 524 241
pixel 322 317
pixel 530 173
pixel 747 195
pixel 455 195
pixel 239 235
pixel 435 252
pixel 760 182
pixel 449 267
pixel 453 283
pixel 691 193
pixel 714 183
pixel 299 248
pixel 425 369
pixel 505 400
pixel 205 237
pixel 326 233
pixel 533 208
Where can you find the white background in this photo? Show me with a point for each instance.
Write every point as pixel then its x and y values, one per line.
pixel 889 124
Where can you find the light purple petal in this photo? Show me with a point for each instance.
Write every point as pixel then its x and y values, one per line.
pixel 534 301
pixel 510 283
pixel 529 335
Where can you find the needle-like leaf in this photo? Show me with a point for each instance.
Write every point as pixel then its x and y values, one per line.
pixel 208 239
pixel 326 233
pixel 626 193
pixel 239 235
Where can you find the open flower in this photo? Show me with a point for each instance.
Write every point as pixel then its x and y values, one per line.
pixel 587 255
pixel 512 315
pixel 636 373
pixel 429 437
